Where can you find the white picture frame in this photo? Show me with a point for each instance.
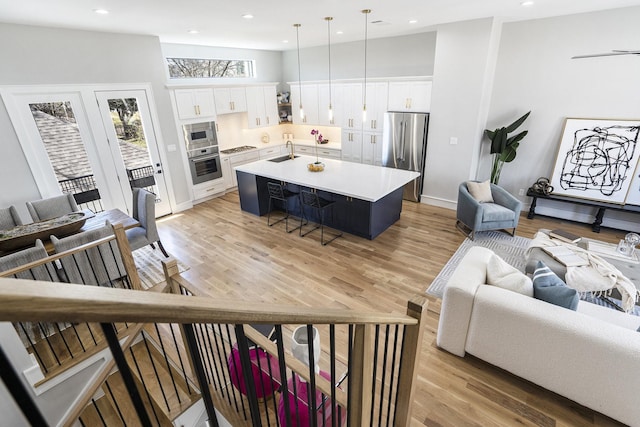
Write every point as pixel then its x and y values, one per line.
pixel 597 160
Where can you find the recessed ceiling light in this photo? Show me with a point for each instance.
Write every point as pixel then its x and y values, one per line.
pixel 413 21
pixel 526 3
pixel 285 41
pixel 193 31
pixel 339 32
pixel 101 11
pixel 247 16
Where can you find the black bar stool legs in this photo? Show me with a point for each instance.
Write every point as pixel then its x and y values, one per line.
pixel 314 201
pixel 277 192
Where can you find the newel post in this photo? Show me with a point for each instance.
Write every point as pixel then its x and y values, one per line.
pixel 411 349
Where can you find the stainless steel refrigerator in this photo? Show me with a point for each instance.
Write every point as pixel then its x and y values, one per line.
pixel 404 146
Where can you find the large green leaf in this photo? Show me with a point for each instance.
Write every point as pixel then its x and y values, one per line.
pixel 513 126
pixel 516 138
pixel 509 153
pixel 499 141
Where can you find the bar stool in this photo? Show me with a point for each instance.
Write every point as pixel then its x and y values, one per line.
pixel 314 201
pixel 277 192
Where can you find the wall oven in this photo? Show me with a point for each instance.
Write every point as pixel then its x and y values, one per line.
pixel 205 164
pixel 200 135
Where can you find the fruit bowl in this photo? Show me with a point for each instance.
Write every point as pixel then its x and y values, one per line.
pixel 315 167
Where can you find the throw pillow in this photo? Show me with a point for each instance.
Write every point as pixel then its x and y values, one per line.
pixel 503 275
pixel 481 191
pixel 547 286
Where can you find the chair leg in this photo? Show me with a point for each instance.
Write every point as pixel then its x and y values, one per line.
pixel 322 231
pixel 464 229
pixel 164 252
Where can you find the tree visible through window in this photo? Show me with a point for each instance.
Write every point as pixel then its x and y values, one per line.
pixel 209 68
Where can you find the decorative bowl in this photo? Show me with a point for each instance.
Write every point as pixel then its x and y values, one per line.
pixel 25 235
pixel 315 167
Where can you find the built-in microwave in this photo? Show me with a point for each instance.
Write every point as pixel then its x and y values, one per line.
pixel 200 135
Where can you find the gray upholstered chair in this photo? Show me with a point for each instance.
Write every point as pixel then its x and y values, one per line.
pixel 144 210
pixel 9 218
pixel 45 272
pixel 502 214
pixel 100 265
pixel 52 207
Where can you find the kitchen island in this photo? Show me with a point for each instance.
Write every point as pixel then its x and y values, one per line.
pixel 368 198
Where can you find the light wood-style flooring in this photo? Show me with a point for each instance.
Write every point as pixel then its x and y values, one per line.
pixel 234 254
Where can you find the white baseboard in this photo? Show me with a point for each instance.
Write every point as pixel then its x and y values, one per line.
pixel 436 201
pixel 183 206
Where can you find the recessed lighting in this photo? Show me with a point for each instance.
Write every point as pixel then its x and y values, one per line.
pixel 413 21
pixel 101 11
pixel 526 3
pixel 339 32
pixel 193 31
pixel 285 41
pixel 247 16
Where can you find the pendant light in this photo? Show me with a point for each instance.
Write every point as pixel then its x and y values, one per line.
pixel 329 19
pixel 299 78
pixel 366 13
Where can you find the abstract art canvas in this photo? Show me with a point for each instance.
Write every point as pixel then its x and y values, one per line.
pixel 597 160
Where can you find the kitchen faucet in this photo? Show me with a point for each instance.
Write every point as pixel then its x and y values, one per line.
pixel 291 156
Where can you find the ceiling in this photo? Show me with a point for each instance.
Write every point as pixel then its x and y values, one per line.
pixel 220 23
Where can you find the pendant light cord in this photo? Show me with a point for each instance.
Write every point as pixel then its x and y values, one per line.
pixel 299 74
pixel 329 19
pixel 365 12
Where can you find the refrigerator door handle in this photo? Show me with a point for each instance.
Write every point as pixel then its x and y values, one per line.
pixel 403 131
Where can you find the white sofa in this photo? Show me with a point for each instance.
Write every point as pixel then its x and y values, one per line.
pixel 591 355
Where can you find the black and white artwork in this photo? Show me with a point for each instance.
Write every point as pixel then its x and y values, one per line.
pixel 597 160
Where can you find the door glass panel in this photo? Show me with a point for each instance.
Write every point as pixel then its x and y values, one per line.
pixel 126 116
pixel 132 143
pixel 63 143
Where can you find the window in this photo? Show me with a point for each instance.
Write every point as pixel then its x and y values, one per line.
pixel 189 68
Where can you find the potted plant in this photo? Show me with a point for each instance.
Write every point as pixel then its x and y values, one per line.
pixel 503 146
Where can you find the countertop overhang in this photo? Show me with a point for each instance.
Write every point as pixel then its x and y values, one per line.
pixel 365 182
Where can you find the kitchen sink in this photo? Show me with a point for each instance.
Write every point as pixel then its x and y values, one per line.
pixel 282 159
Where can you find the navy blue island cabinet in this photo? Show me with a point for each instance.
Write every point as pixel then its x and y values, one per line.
pixel 349 214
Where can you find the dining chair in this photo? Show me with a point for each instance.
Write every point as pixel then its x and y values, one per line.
pixel 45 272
pixel 99 266
pixel 52 207
pixel 144 211
pixel 319 204
pixel 9 218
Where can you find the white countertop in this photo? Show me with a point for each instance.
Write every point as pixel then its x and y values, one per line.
pixel 305 142
pixel 365 182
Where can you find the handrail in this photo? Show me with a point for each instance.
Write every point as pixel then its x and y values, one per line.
pixel 31 300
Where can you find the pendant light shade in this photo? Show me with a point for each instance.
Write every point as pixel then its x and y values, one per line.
pixel 329 19
pixel 366 13
pixel 297 26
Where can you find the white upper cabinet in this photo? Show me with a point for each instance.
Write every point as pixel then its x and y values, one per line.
pixel 352 104
pixel 230 100
pixel 410 96
pixel 262 106
pixel 309 104
pixel 336 105
pixel 377 96
pixel 195 103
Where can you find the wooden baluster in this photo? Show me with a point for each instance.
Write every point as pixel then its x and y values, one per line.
pixel 127 257
pixel 360 381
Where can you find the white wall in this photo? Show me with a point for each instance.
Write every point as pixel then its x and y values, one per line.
pixel 388 57
pixel 535 72
pixel 464 63
pixel 49 56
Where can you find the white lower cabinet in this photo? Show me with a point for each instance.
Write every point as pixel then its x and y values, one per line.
pixel 241 159
pixel 208 189
pixel 227 172
pixel 270 152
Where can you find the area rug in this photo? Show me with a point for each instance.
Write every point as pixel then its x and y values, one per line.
pixel 149 264
pixel 511 249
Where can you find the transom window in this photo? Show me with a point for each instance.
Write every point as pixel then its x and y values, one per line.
pixel 181 68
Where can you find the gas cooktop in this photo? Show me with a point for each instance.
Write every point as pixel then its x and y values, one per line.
pixel 238 149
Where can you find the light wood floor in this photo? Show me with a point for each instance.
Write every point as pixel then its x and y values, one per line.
pixel 234 254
